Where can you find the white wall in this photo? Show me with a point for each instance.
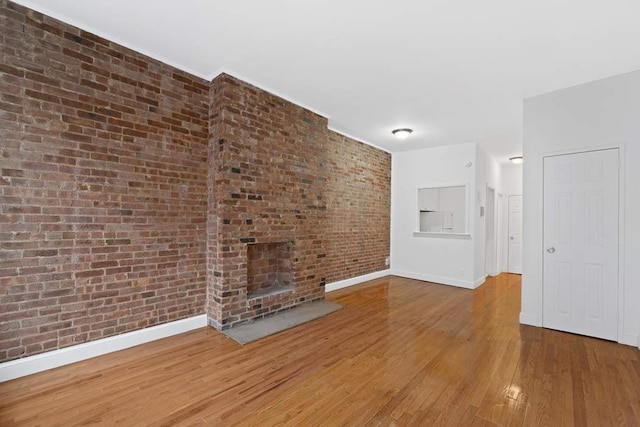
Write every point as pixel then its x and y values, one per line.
pixel 604 113
pixel 439 259
pixel 487 174
pixel 511 175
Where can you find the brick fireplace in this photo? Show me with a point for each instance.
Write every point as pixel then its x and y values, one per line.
pixel 267 208
pixel 154 186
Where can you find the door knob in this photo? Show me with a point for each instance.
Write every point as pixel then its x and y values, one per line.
pixel 511 238
pixel 551 250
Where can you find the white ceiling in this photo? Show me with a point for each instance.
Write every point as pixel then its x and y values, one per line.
pixel 455 71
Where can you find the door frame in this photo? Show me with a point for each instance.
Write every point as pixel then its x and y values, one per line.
pixel 621 234
pixel 500 232
pixel 491 259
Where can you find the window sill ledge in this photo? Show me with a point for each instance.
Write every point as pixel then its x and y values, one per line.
pixel 463 236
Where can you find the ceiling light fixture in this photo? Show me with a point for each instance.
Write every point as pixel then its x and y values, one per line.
pixel 517 160
pixel 402 133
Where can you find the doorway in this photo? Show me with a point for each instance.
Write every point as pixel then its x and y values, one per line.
pixel 580 241
pixel 514 261
pixel 490 250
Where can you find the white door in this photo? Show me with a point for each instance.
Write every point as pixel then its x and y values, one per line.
pixel 580 289
pixel 515 234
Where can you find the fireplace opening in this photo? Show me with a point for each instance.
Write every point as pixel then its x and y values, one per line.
pixel 269 268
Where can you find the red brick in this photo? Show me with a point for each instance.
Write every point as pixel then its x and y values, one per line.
pixel 106 214
pixel 85 103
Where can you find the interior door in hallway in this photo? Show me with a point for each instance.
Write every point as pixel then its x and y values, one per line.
pixel 515 234
pixel 580 289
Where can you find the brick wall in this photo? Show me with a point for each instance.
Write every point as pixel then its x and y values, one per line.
pixel 129 188
pixel 270 175
pixel 103 189
pixel 358 208
pixel 281 175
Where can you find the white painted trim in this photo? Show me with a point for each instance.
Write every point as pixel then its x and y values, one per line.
pixel 69 21
pixel 479 282
pixel 64 356
pixel 442 234
pixel 628 339
pixel 530 319
pixel 435 279
pixel 356 280
pixel 621 238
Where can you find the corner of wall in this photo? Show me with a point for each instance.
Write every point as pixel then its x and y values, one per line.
pixel 632 340
pixel 479 282
pixel 530 319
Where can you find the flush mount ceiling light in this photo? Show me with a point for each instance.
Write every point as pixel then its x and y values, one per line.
pixel 402 133
pixel 516 160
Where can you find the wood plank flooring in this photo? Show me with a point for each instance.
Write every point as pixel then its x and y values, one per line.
pixel 402 352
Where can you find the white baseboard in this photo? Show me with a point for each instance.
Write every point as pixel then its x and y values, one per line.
pixel 626 339
pixel 629 339
pixel 529 319
pixel 64 356
pixel 356 280
pixel 479 282
pixel 435 279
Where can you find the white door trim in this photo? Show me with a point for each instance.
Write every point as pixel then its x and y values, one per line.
pixel 491 259
pixel 631 338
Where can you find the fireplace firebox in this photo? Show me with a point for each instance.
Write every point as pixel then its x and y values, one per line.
pixel 269 268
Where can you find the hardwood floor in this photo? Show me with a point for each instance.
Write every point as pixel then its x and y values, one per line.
pixel 402 352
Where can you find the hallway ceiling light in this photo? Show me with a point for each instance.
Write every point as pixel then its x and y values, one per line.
pixel 402 133
pixel 517 160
